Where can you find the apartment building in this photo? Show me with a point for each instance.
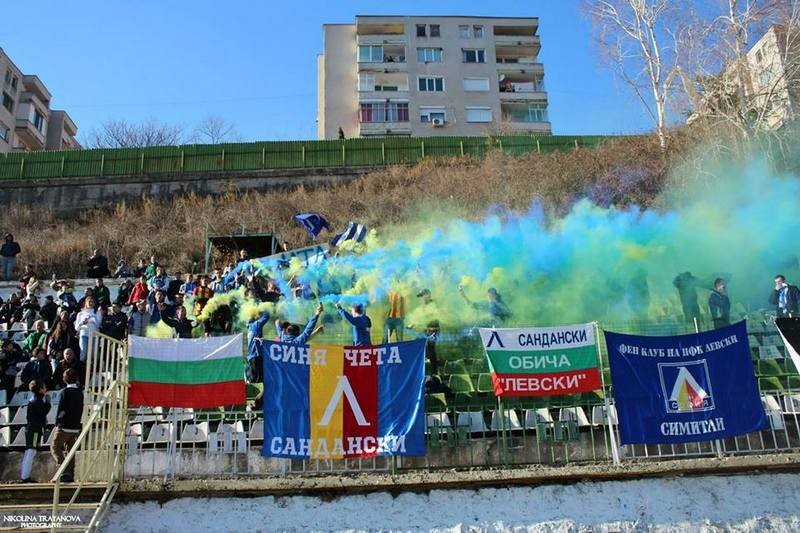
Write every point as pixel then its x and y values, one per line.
pixel 26 121
pixel 421 76
pixel 767 78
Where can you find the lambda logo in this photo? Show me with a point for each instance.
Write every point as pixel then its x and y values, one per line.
pixel 686 387
pixel 495 336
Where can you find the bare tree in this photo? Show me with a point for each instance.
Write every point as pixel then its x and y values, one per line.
pixel 215 130
pixel 726 85
pixel 637 39
pixel 124 134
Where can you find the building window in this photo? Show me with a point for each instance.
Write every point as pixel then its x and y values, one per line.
pixel 476 84
pixel 383 112
pixel 429 55
pixel 463 32
pixel 421 30
pixel 366 82
pixel 759 56
pixel 473 55
pixel 370 54
pixel 432 114
pixel 478 114
pixel 38 120
pixel 8 102
pixel 5 132
pixel 431 84
pixel 477 32
pixel 8 76
pixel 435 30
pixel 537 113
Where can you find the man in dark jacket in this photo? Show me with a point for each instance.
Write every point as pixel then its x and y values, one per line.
pixel 183 326
pixel 69 361
pixel 174 287
pixel 38 368
pixel 8 253
pixel 785 298
pixel 10 355
pixel 115 323
pixel 49 311
pixel 719 304
pixel 68 423
pixel 97 266
pixel 38 407
pixel 101 293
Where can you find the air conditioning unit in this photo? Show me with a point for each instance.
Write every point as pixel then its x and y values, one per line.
pixel 437 122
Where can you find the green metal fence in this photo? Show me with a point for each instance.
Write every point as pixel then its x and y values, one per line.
pixel 271 155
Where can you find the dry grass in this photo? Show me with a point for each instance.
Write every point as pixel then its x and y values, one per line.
pixel 627 171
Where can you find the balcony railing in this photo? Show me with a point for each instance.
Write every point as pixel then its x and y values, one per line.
pixel 522 87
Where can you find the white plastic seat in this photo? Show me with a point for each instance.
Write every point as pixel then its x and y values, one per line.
pixel 256 430
pixel 773 411
pixel 534 416
pixel 20 417
pixel 5 416
pixel 511 420
pixel 195 432
pixel 599 415
pixel 160 434
pixel 791 404
pixel 134 429
pixel 769 352
pixel 574 413
pixel 3 397
pixel 20 398
pixel 5 437
pixel 434 420
pixel 147 414
pixel 52 414
pixel 472 420
pixel 181 414
pixel 228 438
pixel 54 396
pixel 19 439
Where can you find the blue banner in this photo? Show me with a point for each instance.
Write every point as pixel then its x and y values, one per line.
pixel 685 388
pixel 333 402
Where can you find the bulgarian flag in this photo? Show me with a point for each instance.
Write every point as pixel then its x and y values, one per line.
pixel 207 372
pixel 542 361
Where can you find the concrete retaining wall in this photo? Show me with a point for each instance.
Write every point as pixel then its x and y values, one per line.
pixel 67 195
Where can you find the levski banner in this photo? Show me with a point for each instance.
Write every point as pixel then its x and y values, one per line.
pixel 789 328
pixel 542 361
pixel 333 402
pixel 685 388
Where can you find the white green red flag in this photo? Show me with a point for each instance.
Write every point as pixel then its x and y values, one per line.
pixel 542 361
pixel 198 373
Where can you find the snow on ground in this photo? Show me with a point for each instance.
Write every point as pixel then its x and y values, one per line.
pixel 734 503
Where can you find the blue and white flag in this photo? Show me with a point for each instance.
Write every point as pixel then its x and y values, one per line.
pixel 686 388
pixel 353 232
pixel 313 222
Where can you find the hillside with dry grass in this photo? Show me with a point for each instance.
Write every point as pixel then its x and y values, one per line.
pixel 625 171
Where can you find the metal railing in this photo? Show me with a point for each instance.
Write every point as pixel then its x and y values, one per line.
pixel 99 451
pixel 271 155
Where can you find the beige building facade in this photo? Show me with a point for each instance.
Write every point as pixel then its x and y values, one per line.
pixel 430 76
pixel 26 121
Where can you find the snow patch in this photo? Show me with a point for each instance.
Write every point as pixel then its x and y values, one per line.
pixel 713 503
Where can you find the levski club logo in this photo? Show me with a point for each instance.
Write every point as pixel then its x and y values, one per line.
pixel 686 387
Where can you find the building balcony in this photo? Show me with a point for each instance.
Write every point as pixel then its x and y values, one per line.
pixel 540 128
pixel 389 64
pixel 384 128
pixel 26 132
pixel 366 40
pixel 522 96
pixel 530 43
pixel 379 28
pixel 383 94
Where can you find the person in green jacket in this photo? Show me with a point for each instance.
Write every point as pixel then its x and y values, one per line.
pixel 150 271
pixel 35 338
pixel 101 293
